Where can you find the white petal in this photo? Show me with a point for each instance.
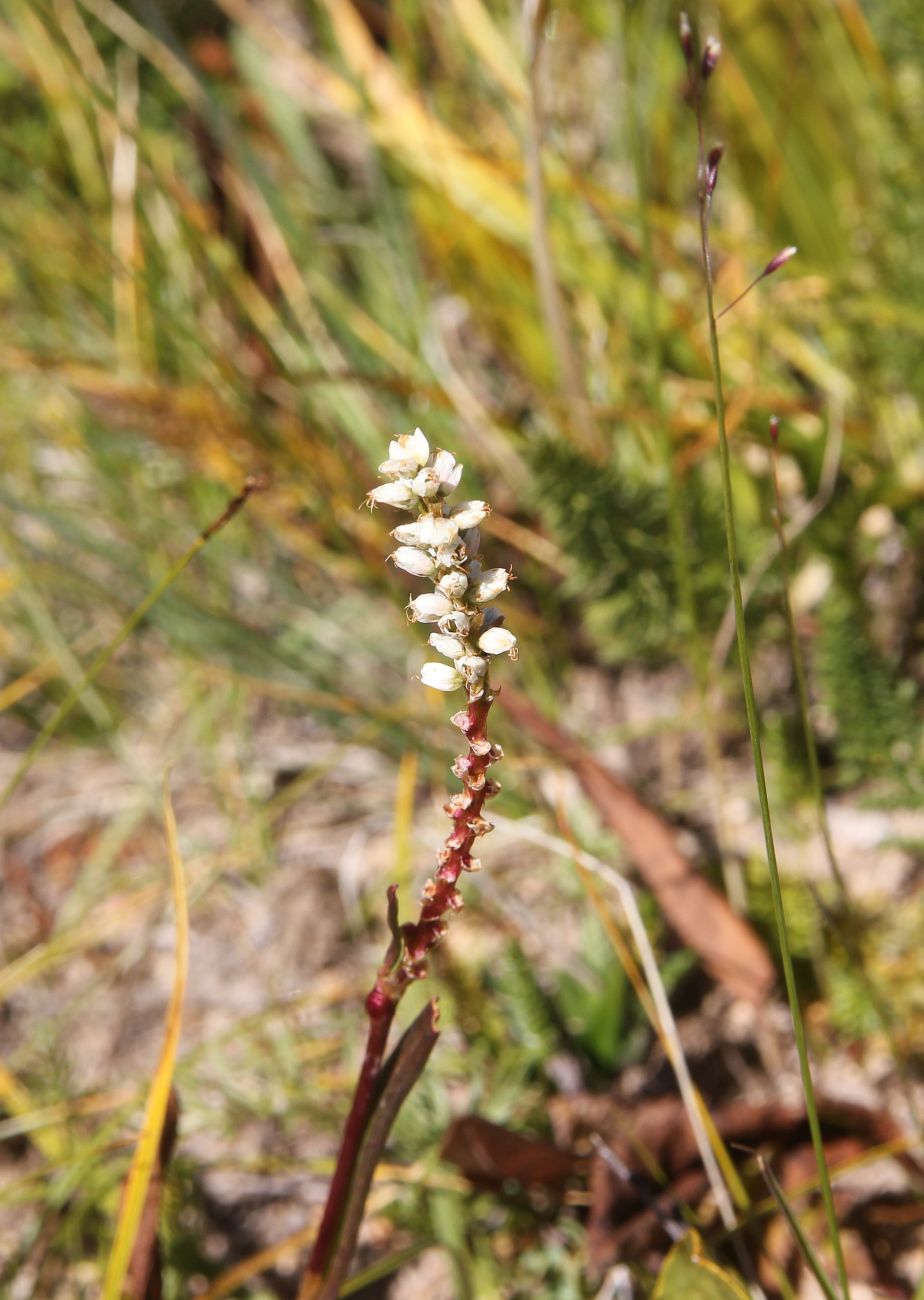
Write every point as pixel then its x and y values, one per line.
pixel 453 584
pixel 400 495
pixel 490 584
pixel 418 446
pixel 442 677
pixel 413 561
pixel 410 446
pixel 397 468
pixel 450 646
pixel 468 514
pixel 428 530
pixel 447 470
pixel 497 641
pixel 429 608
pixel 407 534
pixel 426 483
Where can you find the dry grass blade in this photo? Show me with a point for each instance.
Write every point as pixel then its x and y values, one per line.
pixel 145 1158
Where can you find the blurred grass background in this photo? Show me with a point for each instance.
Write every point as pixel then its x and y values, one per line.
pixel 259 237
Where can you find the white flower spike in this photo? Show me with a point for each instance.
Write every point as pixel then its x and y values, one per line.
pixel 442 543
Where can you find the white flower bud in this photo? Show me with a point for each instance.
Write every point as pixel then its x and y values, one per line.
pixel 400 495
pixel 468 514
pixel 429 608
pixel 413 561
pixel 450 646
pixel 442 677
pixel 454 584
pixel 448 472
pixel 410 446
pixel 489 584
pixel 497 641
pixel 428 530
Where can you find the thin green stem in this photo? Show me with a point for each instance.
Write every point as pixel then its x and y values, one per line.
pixel 750 702
pixel 677 521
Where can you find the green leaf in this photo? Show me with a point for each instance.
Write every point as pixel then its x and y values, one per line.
pixel 689 1275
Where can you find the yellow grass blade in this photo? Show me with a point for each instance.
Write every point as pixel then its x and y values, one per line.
pixel 139 1175
pixel 490 45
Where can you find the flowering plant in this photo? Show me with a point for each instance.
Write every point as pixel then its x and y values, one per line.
pixel 441 543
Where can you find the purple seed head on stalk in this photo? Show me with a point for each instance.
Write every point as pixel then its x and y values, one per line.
pixel 686 38
pixel 442 543
pixel 712 50
pixel 713 158
pixel 781 259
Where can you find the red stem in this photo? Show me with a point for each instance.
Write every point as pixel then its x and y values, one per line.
pixel 401 967
pixel 380 1007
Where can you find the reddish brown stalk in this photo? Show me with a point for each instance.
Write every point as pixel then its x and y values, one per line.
pixel 440 894
pixel 381 1011
pixel 406 961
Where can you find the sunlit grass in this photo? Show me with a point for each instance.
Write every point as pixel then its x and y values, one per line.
pixel 327 237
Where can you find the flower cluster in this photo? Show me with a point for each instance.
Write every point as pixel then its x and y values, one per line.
pixel 442 544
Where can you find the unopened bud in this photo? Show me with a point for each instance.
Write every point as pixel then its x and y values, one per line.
pixel 686 38
pixel 711 52
pixel 441 677
pixel 713 159
pixel 782 257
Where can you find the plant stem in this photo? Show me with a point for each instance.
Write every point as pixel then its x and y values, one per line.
pixel 406 961
pixel 380 1009
pixel 779 912
pixel 677 521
